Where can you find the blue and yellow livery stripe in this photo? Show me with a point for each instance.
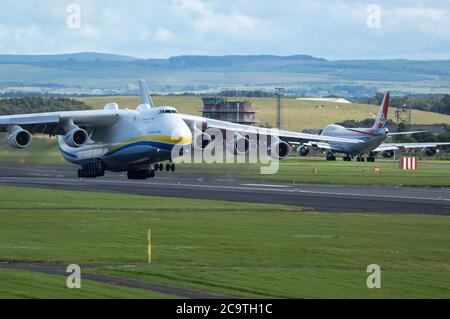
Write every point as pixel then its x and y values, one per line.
pixel 155 138
pixel 159 141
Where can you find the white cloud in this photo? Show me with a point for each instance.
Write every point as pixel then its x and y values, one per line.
pixel 4 32
pixel 163 34
pixel 89 32
pixel 194 5
pixel 334 29
pixel 206 18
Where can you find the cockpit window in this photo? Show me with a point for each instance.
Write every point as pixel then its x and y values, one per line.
pixel 167 111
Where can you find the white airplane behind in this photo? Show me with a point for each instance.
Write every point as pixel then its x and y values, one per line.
pixel 371 140
pixel 138 141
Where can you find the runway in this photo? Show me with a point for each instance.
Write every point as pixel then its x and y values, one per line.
pixel 330 198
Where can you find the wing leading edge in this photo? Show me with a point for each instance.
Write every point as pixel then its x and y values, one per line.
pixel 403 146
pixel 51 123
pixel 286 136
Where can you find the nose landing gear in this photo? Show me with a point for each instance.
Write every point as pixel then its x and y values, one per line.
pixel 170 167
pixel 149 171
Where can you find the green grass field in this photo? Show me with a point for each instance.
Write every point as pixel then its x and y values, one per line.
pixel 297 114
pixel 300 171
pixel 245 250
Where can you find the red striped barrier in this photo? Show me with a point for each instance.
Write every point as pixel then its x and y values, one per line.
pixel 409 163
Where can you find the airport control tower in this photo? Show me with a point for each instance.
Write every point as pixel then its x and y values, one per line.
pixel 219 108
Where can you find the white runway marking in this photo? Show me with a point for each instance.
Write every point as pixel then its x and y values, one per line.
pixel 265 185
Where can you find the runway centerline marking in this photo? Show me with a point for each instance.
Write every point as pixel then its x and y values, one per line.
pixel 266 185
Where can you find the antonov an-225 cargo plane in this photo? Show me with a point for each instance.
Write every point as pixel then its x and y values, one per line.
pixel 137 141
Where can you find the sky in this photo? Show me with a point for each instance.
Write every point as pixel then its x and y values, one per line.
pixel 332 29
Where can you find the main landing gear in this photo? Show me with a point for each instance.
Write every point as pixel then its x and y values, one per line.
pixel 360 158
pixel 331 156
pixel 91 170
pixel 371 157
pixel 143 173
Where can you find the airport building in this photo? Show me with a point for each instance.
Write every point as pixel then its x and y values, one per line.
pixel 219 108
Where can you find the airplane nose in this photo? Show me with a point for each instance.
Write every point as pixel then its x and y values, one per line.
pixel 181 134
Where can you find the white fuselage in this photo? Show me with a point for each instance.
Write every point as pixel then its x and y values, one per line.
pixel 138 137
pixel 370 138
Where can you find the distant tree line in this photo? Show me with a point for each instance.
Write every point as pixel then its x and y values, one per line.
pixel 233 93
pixel 430 103
pixel 38 104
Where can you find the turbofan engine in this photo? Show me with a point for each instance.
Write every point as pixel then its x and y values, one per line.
pixel 429 151
pixel 303 150
pixel 387 154
pixel 76 137
pixel 201 139
pixel 240 145
pixel 279 150
pixel 19 138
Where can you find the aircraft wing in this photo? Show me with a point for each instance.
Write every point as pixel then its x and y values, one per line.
pixel 287 136
pixel 52 123
pixel 403 146
pixel 405 133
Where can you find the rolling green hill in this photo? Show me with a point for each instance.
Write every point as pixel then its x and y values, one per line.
pixel 300 74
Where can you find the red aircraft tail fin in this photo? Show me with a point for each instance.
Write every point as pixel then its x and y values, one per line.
pixel 381 119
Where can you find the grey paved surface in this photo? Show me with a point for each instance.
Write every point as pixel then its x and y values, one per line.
pixel 333 198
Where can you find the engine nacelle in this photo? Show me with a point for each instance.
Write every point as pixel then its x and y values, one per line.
pixel 387 154
pixel 303 150
pixel 429 151
pixel 76 137
pixel 201 140
pixel 279 150
pixel 240 145
pixel 19 138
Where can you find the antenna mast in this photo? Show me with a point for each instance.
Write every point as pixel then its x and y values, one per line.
pixel 279 92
